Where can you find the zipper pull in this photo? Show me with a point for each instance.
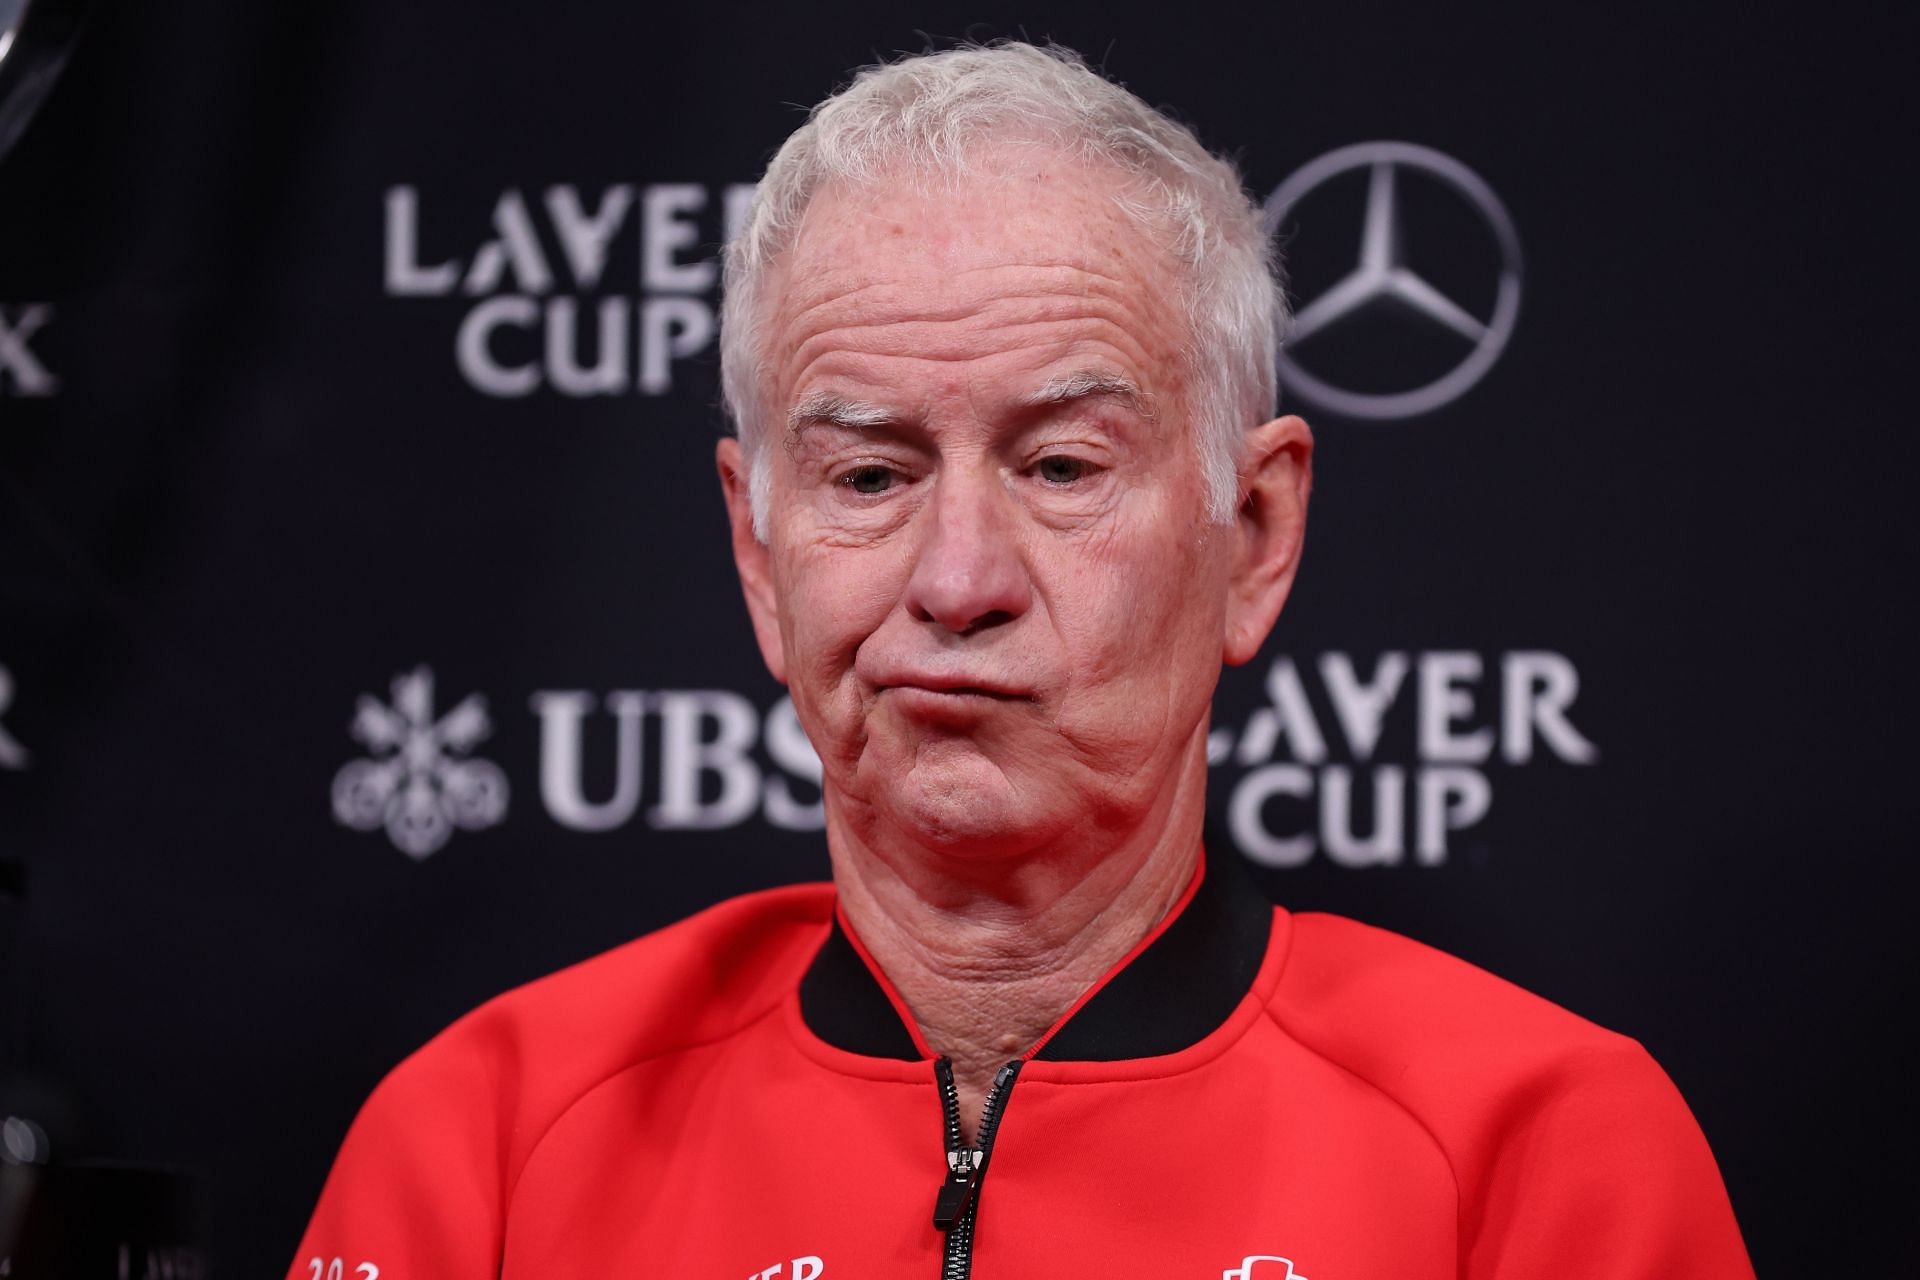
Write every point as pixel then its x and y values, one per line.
pixel 956 1193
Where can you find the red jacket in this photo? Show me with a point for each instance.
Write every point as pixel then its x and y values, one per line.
pixel 1251 1094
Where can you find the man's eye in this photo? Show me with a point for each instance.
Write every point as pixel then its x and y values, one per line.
pixel 869 479
pixel 1060 469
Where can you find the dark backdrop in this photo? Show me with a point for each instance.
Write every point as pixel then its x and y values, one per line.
pixel 261 518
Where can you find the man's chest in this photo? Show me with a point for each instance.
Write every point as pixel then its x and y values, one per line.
pixel 1234 1170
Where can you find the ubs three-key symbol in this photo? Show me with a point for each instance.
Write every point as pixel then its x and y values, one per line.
pixel 419 780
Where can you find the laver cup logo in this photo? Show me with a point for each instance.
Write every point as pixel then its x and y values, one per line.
pixel 1387 761
pixel 564 291
pixel 1381 269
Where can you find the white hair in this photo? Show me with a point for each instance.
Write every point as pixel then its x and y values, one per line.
pixel 922 114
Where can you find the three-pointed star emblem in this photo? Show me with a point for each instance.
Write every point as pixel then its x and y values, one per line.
pixel 1383 273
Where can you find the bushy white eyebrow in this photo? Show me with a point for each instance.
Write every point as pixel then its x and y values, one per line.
pixel 824 406
pixel 1091 382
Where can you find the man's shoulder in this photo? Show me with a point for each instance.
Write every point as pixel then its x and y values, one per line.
pixel 1471 1056
pixel 1381 990
pixel 538 1047
pixel 1544 1118
pixel 692 981
pixel 431 1161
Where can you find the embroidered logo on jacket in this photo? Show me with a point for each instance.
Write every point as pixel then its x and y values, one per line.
pixel 1250 1269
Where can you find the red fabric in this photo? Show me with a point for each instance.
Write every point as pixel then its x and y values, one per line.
pixel 1373 1108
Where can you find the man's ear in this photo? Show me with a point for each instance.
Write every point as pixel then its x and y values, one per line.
pixel 1269 527
pixel 751 557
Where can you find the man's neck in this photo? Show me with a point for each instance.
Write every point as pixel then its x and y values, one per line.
pixel 987 962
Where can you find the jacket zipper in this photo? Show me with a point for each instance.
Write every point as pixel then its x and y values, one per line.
pixel 959 1199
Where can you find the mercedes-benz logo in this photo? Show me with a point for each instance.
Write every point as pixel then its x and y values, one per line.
pixel 1383 275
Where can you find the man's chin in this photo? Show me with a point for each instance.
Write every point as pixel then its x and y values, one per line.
pixel 959 801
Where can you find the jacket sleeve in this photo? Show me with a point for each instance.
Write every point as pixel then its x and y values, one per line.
pixel 1598 1169
pixel 416 1191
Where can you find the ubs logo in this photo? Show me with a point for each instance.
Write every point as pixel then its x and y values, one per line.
pixel 1384 276
pixel 419 780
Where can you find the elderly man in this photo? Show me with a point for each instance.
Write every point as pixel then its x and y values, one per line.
pixel 1008 489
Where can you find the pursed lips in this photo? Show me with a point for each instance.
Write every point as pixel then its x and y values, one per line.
pixel 950 685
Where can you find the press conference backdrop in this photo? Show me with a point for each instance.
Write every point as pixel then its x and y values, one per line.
pixel 369 642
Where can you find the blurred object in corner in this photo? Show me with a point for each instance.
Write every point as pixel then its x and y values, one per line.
pixel 35 38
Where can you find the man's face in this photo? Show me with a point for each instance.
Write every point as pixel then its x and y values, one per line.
pixel 993 586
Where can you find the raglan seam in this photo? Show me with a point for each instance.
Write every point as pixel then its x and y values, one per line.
pixel 546 1130
pixel 1446 1158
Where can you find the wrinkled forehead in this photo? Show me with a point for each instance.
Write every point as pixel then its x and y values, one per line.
pixel 1022 237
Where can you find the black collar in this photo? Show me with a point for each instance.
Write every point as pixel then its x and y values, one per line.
pixel 1171 995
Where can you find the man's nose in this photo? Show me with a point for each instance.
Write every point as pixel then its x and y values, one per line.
pixel 970 573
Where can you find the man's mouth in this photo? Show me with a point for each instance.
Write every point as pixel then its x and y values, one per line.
pixel 953 689
pixel 947 705
pixel 956 686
